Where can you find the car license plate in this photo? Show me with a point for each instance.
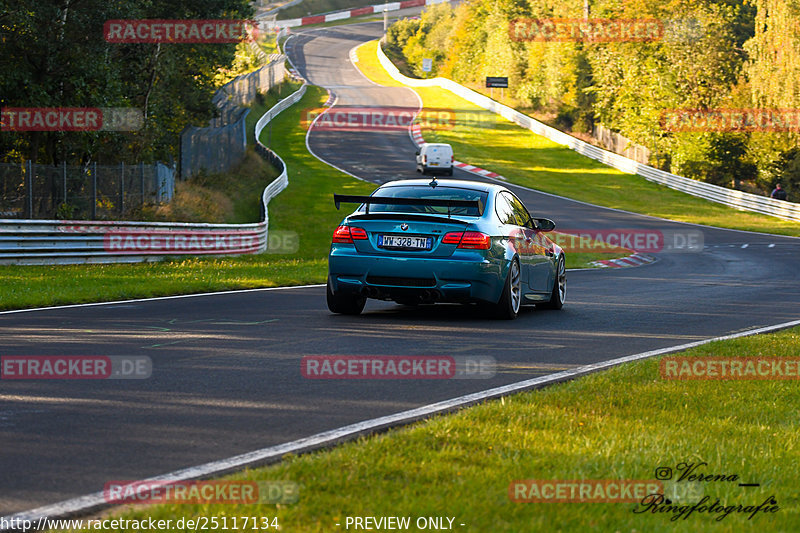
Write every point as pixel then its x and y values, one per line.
pixel 403 241
pixel 434 164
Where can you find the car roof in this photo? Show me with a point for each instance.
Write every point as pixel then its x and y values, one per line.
pixel 461 184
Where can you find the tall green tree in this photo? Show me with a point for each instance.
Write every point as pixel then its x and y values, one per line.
pixel 773 71
pixel 54 55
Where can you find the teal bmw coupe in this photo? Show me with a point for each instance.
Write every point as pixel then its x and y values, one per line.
pixel 420 242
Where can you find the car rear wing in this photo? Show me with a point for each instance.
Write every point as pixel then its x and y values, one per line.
pixel 369 200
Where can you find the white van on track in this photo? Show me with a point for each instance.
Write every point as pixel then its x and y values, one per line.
pixel 435 157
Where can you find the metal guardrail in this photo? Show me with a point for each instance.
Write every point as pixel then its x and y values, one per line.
pixel 282 181
pixel 715 193
pixel 48 242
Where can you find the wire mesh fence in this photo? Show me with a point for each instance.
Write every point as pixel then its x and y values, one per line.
pixel 213 149
pixel 87 192
pixel 221 146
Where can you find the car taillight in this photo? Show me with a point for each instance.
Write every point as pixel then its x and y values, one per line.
pixel 475 240
pixel 346 234
pixel 454 237
pixel 452 159
pixel 472 240
pixel 358 234
pixel 425 159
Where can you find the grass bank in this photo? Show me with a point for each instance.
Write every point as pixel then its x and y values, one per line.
pixel 622 424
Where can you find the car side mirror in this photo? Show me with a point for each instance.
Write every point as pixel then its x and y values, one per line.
pixel 545 224
pixel 417 152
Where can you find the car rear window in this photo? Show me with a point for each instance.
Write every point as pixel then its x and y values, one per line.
pixel 430 193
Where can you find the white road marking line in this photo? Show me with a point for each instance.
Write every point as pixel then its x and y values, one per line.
pixel 116 302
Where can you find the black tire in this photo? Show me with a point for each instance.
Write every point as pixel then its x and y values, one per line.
pixel 559 294
pixel 450 171
pixel 344 304
pixel 511 299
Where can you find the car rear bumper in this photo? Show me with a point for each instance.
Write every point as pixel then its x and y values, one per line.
pixel 448 170
pixel 467 277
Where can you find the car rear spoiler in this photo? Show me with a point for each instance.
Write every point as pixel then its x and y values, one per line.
pixel 367 200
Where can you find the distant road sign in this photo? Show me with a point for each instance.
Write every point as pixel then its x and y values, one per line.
pixel 427 64
pixel 497 81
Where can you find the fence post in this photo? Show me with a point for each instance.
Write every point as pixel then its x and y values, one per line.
pixel 64 174
pixel 94 191
pixel 122 188
pixel 141 181
pixel 29 188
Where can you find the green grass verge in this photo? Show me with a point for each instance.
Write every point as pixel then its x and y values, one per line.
pixel 487 140
pixel 616 425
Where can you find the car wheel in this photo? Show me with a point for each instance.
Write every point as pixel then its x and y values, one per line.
pixel 511 299
pixel 450 171
pixel 559 294
pixel 344 304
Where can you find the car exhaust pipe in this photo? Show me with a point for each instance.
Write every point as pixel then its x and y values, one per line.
pixel 429 296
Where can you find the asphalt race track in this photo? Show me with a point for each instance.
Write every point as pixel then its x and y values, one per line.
pixel 226 367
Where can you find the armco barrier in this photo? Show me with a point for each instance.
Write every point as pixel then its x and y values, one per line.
pixel 282 181
pixel 737 199
pixel 30 242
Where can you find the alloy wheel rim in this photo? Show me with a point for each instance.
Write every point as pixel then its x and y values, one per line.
pixel 562 281
pixel 516 295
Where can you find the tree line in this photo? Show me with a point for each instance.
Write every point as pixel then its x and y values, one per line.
pixel 53 54
pixel 710 55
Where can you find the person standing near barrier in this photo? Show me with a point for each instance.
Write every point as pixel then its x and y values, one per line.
pixel 778 193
